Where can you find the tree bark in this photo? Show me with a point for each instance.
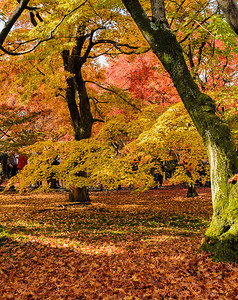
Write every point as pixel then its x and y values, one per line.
pixel 82 120
pixel 3 170
pixel 230 11
pixel 222 236
pixel 191 190
pixel 86 119
pixel 71 98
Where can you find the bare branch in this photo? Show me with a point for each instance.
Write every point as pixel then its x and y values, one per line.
pixel 115 44
pixel 96 107
pixel 98 120
pixel 112 91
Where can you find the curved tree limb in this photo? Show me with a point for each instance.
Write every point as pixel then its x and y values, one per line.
pixel 95 101
pixel 111 91
pixel 117 45
pixel 12 20
pixel 51 36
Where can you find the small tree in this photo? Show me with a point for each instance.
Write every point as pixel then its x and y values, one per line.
pixel 173 137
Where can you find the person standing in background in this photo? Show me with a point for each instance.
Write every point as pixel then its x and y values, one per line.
pixel 12 165
pixel 22 161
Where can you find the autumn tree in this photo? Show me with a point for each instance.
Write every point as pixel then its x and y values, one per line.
pixel 221 237
pixel 173 140
pixel 92 30
pixel 93 38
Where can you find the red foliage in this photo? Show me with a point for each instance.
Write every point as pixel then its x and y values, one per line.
pixel 143 76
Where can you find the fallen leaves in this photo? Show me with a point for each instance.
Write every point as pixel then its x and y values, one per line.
pixel 123 246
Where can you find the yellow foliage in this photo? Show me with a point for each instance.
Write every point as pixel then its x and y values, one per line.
pixel 174 137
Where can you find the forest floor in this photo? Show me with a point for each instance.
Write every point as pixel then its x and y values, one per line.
pixel 123 246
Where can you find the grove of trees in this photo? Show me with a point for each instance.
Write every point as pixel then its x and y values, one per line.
pixel 100 84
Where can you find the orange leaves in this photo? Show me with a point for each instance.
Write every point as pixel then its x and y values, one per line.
pixel 2 3
pixel 123 246
pixel 144 78
pixel 233 179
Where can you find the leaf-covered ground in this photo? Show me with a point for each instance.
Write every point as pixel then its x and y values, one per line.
pixel 123 246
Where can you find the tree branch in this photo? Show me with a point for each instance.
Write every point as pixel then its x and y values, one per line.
pixel 29 7
pixel 116 45
pixel 43 40
pixel 158 12
pixel 12 20
pixel 96 107
pixel 111 91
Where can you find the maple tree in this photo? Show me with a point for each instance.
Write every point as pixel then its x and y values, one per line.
pixel 82 119
pixel 17 107
pixel 172 138
pixel 143 77
pixel 94 36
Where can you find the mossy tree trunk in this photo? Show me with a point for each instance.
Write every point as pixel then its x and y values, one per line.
pixel 230 11
pixel 222 236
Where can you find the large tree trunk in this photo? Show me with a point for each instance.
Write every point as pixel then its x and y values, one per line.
pixel 230 11
pixel 79 195
pixel 71 97
pixel 3 168
pixel 191 190
pixel 82 120
pixel 86 119
pixel 222 235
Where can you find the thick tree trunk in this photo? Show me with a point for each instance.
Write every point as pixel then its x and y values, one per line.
pixel 71 98
pixel 82 120
pixel 79 195
pixel 3 169
pixel 222 235
pixel 86 119
pixel 191 190
pixel 230 11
